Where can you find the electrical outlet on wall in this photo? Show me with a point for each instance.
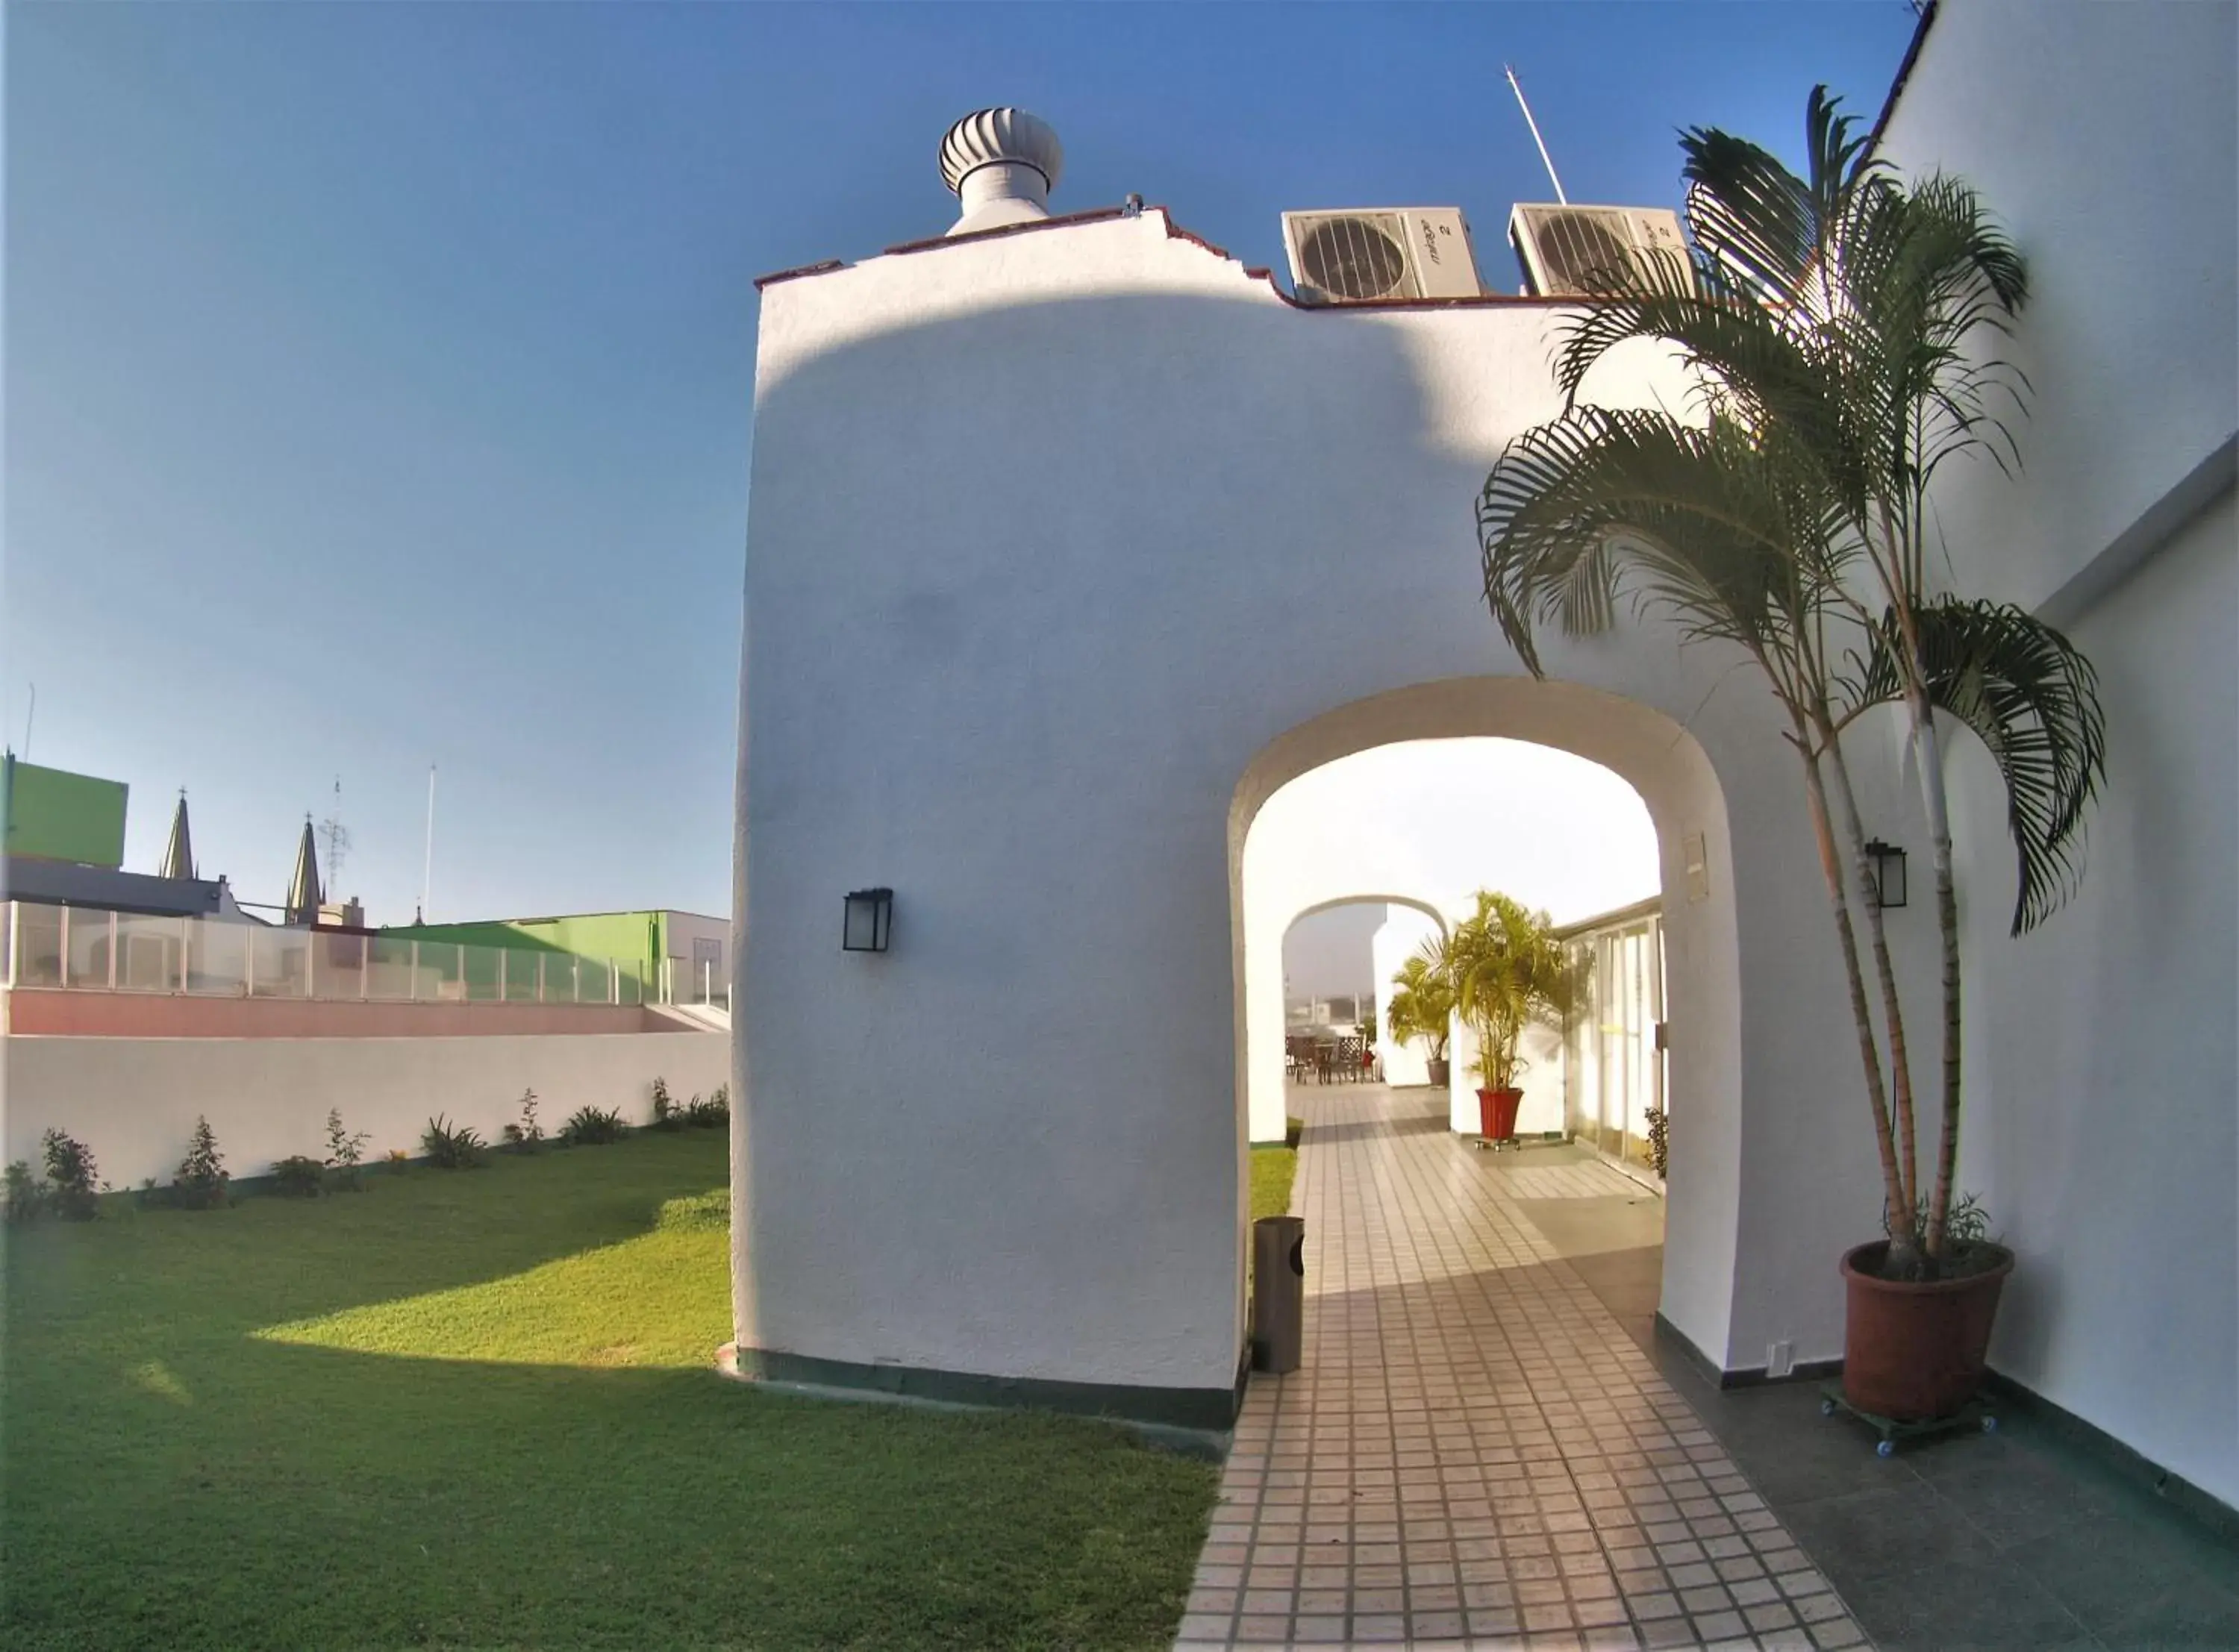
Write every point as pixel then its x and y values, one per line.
pixel 1779 1358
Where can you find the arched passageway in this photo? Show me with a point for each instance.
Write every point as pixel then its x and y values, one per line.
pixel 1673 777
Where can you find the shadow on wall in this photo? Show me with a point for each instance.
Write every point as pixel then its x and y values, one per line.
pixel 1028 591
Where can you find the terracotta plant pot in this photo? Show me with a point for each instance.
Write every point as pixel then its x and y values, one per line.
pixel 1496 1112
pixel 1913 1352
pixel 1442 1072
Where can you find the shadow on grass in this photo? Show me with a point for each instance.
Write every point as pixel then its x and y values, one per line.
pixel 176 1479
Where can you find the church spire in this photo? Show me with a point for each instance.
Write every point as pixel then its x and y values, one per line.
pixel 179 851
pixel 304 895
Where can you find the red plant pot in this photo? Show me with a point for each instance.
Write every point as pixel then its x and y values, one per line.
pixel 1496 1112
pixel 1914 1352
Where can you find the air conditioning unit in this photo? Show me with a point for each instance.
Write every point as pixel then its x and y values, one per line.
pixel 1381 253
pixel 1562 248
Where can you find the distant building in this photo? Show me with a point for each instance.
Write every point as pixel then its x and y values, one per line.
pixel 64 837
pixel 672 955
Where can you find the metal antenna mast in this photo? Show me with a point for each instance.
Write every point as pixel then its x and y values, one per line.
pixel 1544 159
pixel 428 865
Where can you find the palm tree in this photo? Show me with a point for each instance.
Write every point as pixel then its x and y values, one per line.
pixel 1424 1005
pixel 1838 332
pixel 1510 971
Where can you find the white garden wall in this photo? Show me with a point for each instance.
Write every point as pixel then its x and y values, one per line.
pixel 133 1101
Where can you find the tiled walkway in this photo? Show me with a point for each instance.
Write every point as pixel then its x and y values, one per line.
pixel 1474 1452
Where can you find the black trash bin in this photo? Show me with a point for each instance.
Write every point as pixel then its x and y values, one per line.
pixel 1279 1293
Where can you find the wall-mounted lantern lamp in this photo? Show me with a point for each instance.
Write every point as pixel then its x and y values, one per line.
pixel 869 922
pixel 1889 874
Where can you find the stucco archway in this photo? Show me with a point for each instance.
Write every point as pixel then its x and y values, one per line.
pixel 1264 1006
pixel 1674 777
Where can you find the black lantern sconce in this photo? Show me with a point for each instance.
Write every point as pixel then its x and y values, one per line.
pixel 869 922
pixel 1889 874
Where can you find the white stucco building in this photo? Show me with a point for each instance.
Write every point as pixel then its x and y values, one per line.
pixel 1035 510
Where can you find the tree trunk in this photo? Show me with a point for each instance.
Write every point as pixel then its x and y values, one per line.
pixel 1899 1224
pixel 1885 975
pixel 1947 922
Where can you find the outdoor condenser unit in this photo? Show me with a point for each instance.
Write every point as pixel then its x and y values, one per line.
pixel 1562 248
pixel 1380 254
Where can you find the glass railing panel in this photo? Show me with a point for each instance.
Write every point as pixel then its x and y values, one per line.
pixel 389 969
pixel 85 961
pixel 481 977
pixel 147 952
pixel 522 975
pixel 218 956
pixel 39 945
pixel 338 967
pixel 280 961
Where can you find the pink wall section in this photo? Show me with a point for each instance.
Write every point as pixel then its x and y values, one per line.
pixel 133 1015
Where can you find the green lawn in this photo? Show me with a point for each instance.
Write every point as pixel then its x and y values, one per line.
pixel 1272 1169
pixel 475 1408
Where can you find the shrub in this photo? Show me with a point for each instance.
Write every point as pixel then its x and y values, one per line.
pixel 711 1114
pixel 344 1150
pixel 666 1115
pixel 71 1193
pixel 592 1127
pixel 1660 1141
pixel 527 1136
pixel 454 1147
pixel 27 1194
pixel 299 1177
pixel 201 1183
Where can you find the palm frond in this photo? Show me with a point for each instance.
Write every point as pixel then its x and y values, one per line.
pixel 1722 531
pixel 2032 700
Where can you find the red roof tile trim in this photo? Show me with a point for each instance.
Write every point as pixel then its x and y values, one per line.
pixel 773 279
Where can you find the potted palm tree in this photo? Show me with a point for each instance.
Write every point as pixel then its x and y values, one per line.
pixel 1839 330
pixel 1424 1005
pixel 1510 972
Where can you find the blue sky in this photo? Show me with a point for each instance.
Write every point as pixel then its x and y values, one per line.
pixel 378 376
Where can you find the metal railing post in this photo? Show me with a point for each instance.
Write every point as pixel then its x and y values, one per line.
pixel 186 955
pixel 112 952
pixel 15 937
pixel 62 960
pixel 248 962
pixel 540 978
pixel 364 968
pixel 504 954
pixel 412 988
pixel 613 983
pixel 310 965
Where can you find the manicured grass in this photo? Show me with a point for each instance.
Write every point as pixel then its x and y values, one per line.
pixel 1272 1170
pixel 476 1407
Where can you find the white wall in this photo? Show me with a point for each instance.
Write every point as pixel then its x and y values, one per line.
pixel 133 1101
pixel 1038 529
pixel 2101 1049
pixel 1401 936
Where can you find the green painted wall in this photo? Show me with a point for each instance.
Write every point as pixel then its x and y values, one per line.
pixel 636 941
pixel 60 816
